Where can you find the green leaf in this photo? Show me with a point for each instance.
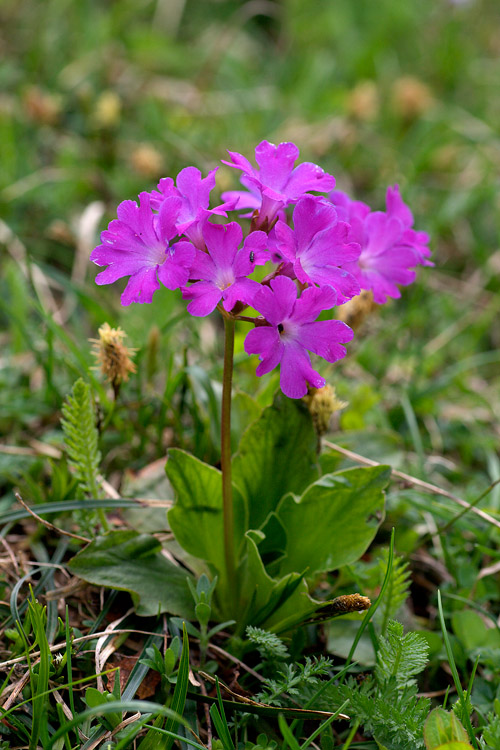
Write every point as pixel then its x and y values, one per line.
pixel 81 437
pixel 151 740
pixel 276 455
pixel 334 521
pixel 244 411
pixel 220 721
pixel 94 698
pixel 472 632
pixel 196 518
pixel 444 731
pixel 340 636
pixel 133 562
pixel 273 546
pixel 268 602
pixel 396 591
pixel 400 656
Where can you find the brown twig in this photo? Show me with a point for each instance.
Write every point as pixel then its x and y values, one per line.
pixel 432 488
pixel 11 555
pixel 16 690
pixel 49 525
pixel 235 660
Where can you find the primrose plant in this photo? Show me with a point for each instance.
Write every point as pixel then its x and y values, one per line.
pixel 255 523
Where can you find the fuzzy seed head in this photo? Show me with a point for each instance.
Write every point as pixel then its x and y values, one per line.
pixel 112 356
pixel 357 309
pixel 351 603
pixel 322 404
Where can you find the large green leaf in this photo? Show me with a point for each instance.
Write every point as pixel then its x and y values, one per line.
pixel 196 518
pixel 133 562
pixel 334 521
pixel 269 602
pixel 277 455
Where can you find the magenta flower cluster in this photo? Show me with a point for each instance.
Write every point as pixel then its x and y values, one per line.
pixel 321 253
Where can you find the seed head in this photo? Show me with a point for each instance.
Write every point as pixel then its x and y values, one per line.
pixel 411 97
pixel 350 603
pixel 357 309
pixel 322 403
pixel 112 356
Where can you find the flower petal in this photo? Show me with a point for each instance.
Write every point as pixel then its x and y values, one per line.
pixel 325 338
pixel 310 216
pixel 308 176
pixel 175 271
pixel 312 301
pixel 242 290
pixel 276 163
pixel 397 208
pixel 265 342
pixel 141 287
pixel 168 216
pixel 296 372
pixel 204 298
pixel 222 242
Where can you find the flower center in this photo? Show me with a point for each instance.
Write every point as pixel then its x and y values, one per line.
pixel 287 330
pixel 225 278
pixel 364 260
pixel 159 253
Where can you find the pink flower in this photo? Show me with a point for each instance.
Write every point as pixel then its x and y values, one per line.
pixel 137 245
pixel 293 331
pixel 319 247
pixel 223 271
pixel 194 192
pixel 390 248
pixel 277 183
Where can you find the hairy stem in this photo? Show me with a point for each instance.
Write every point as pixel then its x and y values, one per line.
pixel 227 489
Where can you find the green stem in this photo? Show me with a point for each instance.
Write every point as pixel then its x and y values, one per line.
pixel 104 521
pixel 347 743
pixel 227 488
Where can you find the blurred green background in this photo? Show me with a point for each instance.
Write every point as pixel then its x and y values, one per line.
pixel 100 99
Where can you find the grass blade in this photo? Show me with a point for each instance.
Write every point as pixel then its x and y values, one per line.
pixel 41 682
pixel 454 671
pixel 143 707
pixel 367 618
pixel 288 735
pixel 177 704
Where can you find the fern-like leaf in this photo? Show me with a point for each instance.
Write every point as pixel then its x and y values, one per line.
pixel 400 657
pixel 396 592
pixel 81 438
pixel 395 718
pixel 294 680
pixel 270 647
pixel 491 733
